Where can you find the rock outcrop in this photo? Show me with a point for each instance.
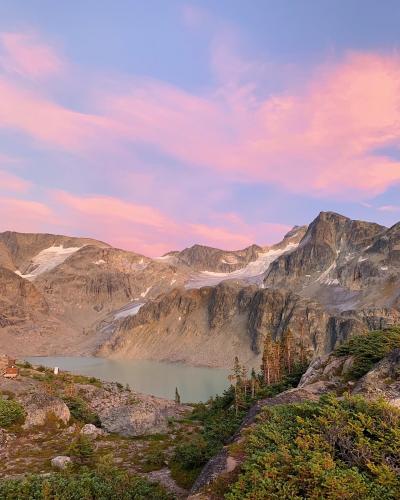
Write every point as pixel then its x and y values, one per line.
pixel 127 413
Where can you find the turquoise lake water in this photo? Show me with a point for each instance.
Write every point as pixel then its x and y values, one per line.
pixel 151 377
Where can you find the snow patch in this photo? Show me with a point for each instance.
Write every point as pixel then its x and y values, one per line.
pixel 172 282
pixel 99 262
pixel 362 259
pixel 46 260
pixel 323 278
pixel 143 294
pixel 131 310
pixel 252 270
pixel 384 268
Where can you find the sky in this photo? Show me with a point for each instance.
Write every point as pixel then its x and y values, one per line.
pixel 160 124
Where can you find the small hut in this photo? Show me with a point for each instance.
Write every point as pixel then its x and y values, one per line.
pixel 8 367
pixel 11 372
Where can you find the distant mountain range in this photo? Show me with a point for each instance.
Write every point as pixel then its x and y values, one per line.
pixel 325 281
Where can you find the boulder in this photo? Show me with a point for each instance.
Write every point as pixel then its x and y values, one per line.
pixel 91 431
pixel 39 406
pixel 135 420
pixel 61 462
pixel 129 413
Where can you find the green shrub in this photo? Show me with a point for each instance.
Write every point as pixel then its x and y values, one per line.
pixel 219 423
pixel 155 459
pixel 87 485
pixel 25 364
pixel 81 449
pixel 192 454
pixel 368 349
pixel 347 449
pixel 80 411
pixel 11 413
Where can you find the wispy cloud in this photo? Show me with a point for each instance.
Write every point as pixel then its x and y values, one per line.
pixel 13 184
pixel 320 137
pixel 27 55
pixel 389 208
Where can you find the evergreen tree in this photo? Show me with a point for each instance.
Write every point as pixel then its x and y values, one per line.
pixel 254 383
pixel 81 449
pixel 287 353
pixel 238 378
pixel 266 367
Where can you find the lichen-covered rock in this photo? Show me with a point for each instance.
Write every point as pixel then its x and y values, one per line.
pixel 39 406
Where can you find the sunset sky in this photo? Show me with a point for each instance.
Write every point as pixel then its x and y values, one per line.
pixel 154 125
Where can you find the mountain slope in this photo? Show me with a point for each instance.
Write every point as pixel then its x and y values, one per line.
pixel 324 282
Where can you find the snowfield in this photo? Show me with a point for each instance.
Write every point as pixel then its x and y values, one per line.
pixel 253 270
pixel 46 260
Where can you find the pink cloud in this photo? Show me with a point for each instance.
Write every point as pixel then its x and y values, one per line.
pixel 24 215
pixel 47 121
pixel 219 236
pixel 10 182
pixel 320 138
pixel 144 229
pixel 28 56
pixel 389 208
pixel 109 208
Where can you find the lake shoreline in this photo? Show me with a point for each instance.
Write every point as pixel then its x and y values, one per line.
pixel 157 378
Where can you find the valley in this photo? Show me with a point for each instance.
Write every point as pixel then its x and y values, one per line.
pixel 201 306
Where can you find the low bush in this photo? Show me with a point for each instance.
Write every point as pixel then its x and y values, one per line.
pixel 368 349
pixel 155 459
pixel 107 485
pixel 11 413
pixel 80 411
pixel 347 449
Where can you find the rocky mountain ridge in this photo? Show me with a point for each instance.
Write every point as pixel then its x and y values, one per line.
pixel 325 282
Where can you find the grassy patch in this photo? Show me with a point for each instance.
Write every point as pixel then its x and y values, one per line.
pixel 11 413
pixel 81 412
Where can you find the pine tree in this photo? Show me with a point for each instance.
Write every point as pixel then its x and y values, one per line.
pixel 287 351
pixel 266 358
pixel 177 397
pixel 239 383
pixel 82 449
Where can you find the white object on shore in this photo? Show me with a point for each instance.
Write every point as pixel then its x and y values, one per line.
pixel 56 370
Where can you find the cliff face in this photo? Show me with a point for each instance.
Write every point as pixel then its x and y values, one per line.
pixel 212 325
